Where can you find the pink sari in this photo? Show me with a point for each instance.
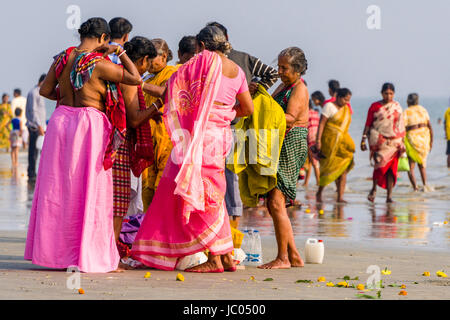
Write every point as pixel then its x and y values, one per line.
pixel 187 214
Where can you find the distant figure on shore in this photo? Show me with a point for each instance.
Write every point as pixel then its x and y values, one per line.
pixel 5 119
pixel 313 125
pixel 419 138
pixel 334 145
pixel 318 99
pixel 187 48
pixel 15 137
pixel 447 132
pixel 253 68
pixel 20 102
pixel 439 121
pixel 36 116
pixel 333 87
pixel 120 33
pixel 292 95
pixel 385 131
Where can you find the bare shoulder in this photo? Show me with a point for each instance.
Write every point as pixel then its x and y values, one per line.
pixel 300 91
pixel 230 68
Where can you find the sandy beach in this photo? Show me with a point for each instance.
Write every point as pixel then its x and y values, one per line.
pixel 22 280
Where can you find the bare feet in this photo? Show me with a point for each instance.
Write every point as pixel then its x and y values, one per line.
pixel 295 259
pixel 277 264
pixel 228 262
pixel 371 196
pixel 118 270
pixel 341 201
pixel 210 266
pixel 389 200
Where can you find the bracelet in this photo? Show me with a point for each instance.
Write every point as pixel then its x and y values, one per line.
pixel 117 50
pixel 156 107
pixel 122 53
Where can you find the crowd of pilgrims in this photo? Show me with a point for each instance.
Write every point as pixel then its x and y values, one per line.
pixel 130 132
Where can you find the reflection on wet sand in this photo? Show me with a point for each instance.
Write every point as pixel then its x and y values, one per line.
pixel 410 218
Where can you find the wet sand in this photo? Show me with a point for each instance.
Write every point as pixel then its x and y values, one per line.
pixel 22 280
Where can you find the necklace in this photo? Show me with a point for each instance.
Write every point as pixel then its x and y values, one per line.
pixel 80 50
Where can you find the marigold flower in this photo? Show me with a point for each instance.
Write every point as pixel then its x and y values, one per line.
pixel 343 284
pixel 386 271
pixel 147 275
pixel 252 278
pixel 80 291
pixel 403 293
pixel 330 284
pixel 426 274
pixel 360 286
pixel 441 274
pixel 307 210
pixel 180 277
pixel 321 279
pixel 321 211
pixel 403 286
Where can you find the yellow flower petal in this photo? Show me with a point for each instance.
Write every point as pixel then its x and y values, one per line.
pixel 386 272
pixel 180 277
pixel 330 284
pixel 307 210
pixel 360 287
pixel 147 275
pixel 403 293
pixel 403 286
pixel 426 274
pixel 441 274
pixel 321 279
pixel 321 211
pixel 252 278
pixel 80 291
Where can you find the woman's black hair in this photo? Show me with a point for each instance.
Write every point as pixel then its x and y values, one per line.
pixel 139 47
pixel 413 99
pixel 17 112
pixel 319 96
pixel 4 95
pixel 387 86
pixel 220 26
pixel 333 85
pixel 187 44
pixel 297 59
pixel 343 92
pixel 214 39
pixel 162 47
pixel 119 27
pixel 94 28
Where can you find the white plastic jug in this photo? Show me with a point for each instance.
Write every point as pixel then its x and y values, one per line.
pixel 314 251
pixel 251 244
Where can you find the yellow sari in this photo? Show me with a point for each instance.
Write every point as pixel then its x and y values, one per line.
pixel 337 147
pixel 417 141
pixel 5 129
pixel 162 145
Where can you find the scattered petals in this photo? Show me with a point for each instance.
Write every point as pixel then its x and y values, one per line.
pixel 321 279
pixel 342 284
pixel 147 275
pixel 360 287
pixel 386 271
pixel 403 293
pixel 403 286
pixel 180 277
pixel 80 291
pixel 426 274
pixel 252 278
pixel 441 274
pixel 330 284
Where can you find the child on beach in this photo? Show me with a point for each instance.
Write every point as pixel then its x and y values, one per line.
pixel 15 136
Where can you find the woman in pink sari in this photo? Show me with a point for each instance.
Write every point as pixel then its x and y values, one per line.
pixel 386 130
pixel 71 220
pixel 188 213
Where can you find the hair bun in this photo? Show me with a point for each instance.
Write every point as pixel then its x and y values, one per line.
pixel 128 46
pixel 84 28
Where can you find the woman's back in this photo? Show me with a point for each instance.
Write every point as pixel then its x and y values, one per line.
pixel 66 92
pixel 232 83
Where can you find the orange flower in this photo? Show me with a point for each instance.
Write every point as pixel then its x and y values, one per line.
pixel 321 279
pixel 80 291
pixel 403 286
pixel 360 287
pixel 403 293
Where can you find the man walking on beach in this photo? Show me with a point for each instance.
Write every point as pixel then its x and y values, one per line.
pixel 20 102
pixel 253 68
pixel 36 123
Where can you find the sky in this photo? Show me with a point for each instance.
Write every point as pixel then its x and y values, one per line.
pixel 411 48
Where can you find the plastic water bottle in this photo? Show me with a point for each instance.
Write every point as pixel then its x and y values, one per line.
pixel 314 251
pixel 251 245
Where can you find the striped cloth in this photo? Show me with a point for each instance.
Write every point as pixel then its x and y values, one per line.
pixel 293 151
pixel 292 158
